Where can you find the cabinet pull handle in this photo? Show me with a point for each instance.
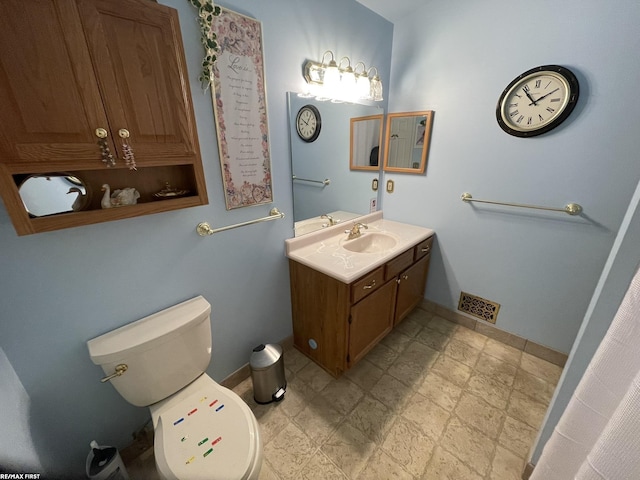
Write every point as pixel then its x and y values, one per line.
pixel 425 250
pixel 127 151
pixel 371 285
pixel 105 152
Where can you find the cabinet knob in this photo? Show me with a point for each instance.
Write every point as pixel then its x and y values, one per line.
pixel 123 132
pixel 101 133
pixel 371 285
pixel 403 277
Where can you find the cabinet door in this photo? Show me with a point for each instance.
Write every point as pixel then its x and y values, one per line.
pixel 411 285
pixel 371 319
pixel 49 97
pixel 137 52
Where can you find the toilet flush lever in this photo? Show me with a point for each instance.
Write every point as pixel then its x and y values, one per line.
pixel 120 369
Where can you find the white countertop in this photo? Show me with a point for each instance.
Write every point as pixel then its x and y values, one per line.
pixel 322 250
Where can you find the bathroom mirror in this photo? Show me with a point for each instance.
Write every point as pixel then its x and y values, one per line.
pixel 366 135
pixel 48 194
pixel 407 141
pixel 324 182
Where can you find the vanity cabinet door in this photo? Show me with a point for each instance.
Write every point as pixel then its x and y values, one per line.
pixel 371 319
pixel 50 100
pixel 411 285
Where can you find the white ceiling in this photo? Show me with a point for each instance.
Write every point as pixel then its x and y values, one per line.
pixel 392 10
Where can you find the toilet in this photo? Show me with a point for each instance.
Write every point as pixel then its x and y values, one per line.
pixel 202 430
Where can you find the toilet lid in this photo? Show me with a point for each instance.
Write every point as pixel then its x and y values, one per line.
pixel 210 434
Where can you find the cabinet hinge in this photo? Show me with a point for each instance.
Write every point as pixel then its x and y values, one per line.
pixel 350 319
pixel 348 358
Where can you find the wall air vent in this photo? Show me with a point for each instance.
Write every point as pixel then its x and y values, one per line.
pixel 478 307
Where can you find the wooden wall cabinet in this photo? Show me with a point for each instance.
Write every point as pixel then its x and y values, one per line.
pixel 69 67
pixel 336 324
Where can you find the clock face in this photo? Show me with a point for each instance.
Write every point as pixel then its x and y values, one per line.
pixel 537 101
pixel 308 123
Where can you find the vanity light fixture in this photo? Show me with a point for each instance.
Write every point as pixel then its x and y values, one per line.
pixel 363 84
pixel 341 82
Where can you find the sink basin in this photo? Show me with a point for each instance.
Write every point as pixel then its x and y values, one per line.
pixel 370 242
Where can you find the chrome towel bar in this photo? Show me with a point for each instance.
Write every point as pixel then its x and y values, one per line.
pixel 570 208
pixel 205 229
pixel 324 182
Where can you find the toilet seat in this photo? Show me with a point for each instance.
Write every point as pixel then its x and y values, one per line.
pixel 206 431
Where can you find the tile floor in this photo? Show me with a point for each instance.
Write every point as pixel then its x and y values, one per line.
pixel 434 400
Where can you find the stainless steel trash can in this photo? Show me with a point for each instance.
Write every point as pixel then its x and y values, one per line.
pixel 267 373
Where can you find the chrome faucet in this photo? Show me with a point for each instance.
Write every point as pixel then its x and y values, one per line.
pixel 355 230
pixel 330 218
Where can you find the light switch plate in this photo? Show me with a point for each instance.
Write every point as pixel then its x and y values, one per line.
pixel 390 186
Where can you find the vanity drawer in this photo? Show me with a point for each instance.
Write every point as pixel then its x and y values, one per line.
pixel 423 248
pixel 367 284
pixel 398 264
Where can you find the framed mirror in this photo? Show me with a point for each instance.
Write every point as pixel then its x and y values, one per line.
pixel 366 136
pixel 407 141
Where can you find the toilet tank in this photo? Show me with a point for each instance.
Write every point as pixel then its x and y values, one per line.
pixel 163 352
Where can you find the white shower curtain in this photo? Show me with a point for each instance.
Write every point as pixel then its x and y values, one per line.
pixel 598 435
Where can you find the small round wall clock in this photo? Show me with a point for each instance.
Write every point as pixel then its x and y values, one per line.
pixel 537 101
pixel 308 123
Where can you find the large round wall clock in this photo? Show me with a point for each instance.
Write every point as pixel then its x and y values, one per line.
pixel 308 123
pixel 537 101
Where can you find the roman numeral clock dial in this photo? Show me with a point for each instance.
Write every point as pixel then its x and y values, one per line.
pixel 537 101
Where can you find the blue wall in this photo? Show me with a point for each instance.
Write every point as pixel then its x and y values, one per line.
pixel 621 265
pixel 60 289
pixel 456 59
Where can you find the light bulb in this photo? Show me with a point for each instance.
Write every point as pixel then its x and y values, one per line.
pixel 363 86
pixel 331 81
pixel 376 89
pixel 348 85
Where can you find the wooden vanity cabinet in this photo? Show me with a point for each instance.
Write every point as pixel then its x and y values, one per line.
pixel 336 324
pixel 413 280
pixel 69 67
